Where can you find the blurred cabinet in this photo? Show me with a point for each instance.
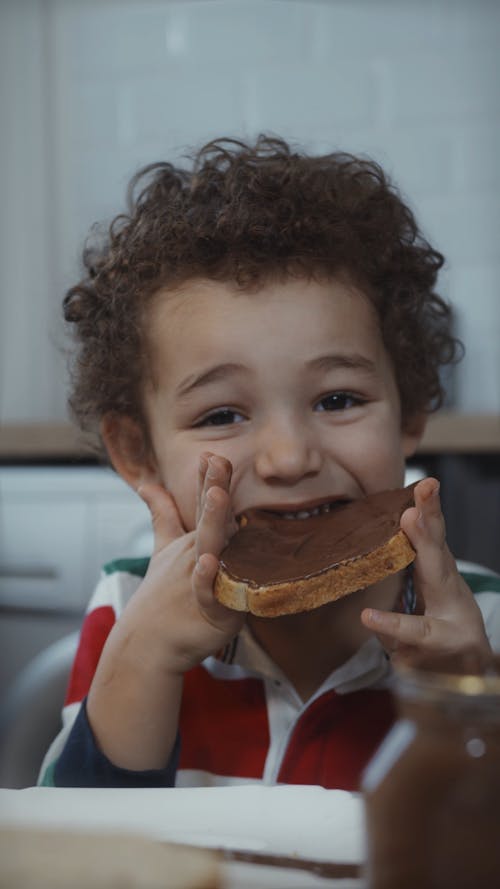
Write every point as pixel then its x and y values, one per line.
pixel 470 497
pixel 58 526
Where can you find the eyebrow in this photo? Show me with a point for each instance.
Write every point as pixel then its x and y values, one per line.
pixel 323 363
pixel 213 375
pixel 351 361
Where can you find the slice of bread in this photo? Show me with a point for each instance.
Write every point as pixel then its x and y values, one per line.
pixel 274 565
pixel 45 858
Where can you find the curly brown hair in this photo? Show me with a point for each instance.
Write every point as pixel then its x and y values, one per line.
pixel 247 213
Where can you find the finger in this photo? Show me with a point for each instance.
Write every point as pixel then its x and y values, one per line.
pixel 369 618
pixel 428 505
pixel 426 514
pixel 404 630
pixel 217 475
pixel 167 525
pixel 224 470
pixel 435 570
pixel 202 472
pixel 218 472
pixel 203 580
pixel 212 530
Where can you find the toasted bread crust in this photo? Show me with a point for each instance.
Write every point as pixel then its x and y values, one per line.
pixel 305 594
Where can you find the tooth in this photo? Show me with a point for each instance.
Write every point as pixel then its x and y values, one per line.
pixel 305 513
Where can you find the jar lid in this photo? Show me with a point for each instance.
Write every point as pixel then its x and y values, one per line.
pixel 459 675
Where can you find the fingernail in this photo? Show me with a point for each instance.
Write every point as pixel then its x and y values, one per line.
pixel 200 567
pixel 209 500
pixel 420 520
pixel 433 493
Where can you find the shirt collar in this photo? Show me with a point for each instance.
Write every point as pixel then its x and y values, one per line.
pixel 366 667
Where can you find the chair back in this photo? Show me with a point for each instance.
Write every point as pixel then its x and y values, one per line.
pixel 30 715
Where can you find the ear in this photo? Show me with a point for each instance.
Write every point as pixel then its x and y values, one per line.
pixel 128 449
pixel 412 433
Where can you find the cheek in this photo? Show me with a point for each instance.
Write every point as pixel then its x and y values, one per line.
pixel 184 493
pixel 179 475
pixel 375 454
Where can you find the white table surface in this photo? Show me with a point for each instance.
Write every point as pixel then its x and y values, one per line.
pixel 303 822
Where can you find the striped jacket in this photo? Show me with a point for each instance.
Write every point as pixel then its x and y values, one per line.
pixel 241 720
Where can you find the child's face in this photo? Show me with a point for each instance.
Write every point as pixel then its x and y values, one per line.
pixel 292 384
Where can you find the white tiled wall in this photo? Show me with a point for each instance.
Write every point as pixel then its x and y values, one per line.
pixel 414 84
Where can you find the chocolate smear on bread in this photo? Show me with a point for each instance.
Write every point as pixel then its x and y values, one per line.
pixel 275 565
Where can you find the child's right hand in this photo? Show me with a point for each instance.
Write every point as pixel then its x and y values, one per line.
pixel 170 624
pixel 176 596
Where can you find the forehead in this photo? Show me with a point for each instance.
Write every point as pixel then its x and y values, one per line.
pixel 295 319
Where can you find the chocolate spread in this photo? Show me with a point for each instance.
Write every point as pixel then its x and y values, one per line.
pixel 272 549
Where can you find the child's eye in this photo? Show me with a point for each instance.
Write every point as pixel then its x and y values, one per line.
pixel 223 417
pixel 338 401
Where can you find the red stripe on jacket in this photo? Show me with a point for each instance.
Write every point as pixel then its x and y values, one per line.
pixel 95 630
pixel 336 737
pixel 223 725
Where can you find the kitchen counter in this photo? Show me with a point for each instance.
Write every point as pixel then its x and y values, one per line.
pixel 447 432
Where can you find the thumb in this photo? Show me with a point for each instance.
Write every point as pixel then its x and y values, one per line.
pixel 167 525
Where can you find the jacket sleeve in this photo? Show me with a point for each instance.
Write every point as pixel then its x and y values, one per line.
pixel 82 764
pixel 74 759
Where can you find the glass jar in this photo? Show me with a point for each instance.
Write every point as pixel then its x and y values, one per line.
pixel 432 790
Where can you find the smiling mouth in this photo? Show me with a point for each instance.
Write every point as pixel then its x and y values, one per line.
pixel 292 515
pixel 295 515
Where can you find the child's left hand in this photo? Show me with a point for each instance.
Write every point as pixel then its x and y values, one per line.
pixel 448 619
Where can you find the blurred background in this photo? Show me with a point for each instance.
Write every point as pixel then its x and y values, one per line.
pixel 92 89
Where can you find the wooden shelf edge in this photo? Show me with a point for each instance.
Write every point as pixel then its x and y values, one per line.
pixel 453 433
pixel 32 441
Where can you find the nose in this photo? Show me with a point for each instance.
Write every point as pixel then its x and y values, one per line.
pixel 284 452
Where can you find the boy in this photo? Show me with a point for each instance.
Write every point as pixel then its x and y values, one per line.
pixel 261 330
